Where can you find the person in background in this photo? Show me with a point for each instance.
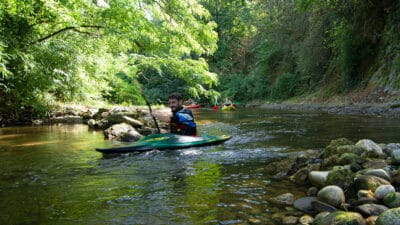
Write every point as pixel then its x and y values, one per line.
pixel 189 102
pixel 182 120
pixel 228 102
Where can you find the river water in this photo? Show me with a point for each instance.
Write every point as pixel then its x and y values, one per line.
pixel 53 175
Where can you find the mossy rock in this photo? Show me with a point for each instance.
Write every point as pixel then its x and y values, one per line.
pixel 333 148
pixel 350 158
pixel 330 161
pixel 341 218
pixel 392 200
pixel 343 178
pixel 369 182
pixel 391 216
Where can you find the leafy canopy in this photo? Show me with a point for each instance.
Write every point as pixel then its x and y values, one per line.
pixel 83 50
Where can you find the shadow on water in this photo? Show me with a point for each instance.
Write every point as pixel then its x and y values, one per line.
pixel 53 175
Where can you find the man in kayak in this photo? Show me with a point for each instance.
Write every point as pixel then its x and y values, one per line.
pixel 182 120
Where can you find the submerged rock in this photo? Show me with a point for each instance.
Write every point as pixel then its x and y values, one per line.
pixel 283 199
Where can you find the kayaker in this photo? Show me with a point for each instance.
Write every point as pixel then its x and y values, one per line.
pixel 189 102
pixel 182 120
pixel 228 102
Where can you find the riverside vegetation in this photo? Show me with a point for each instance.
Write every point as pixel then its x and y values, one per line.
pixel 54 52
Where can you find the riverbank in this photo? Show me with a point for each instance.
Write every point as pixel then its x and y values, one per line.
pixel 71 114
pixel 374 102
pixel 391 110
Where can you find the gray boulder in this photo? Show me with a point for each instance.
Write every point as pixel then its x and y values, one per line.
pixel 305 204
pixel 383 190
pixel 392 147
pixel 318 178
pixel 368 210
pixel 369 148
pixel 332 195
pixel 122 132
pixel 375 172
pixel 395 156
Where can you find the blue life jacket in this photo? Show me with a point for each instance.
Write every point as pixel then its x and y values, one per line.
pixel 182 122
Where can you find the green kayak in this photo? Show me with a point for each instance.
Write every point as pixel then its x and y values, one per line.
pixel 166 141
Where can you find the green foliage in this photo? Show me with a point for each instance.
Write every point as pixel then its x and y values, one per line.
pixel 71 51
pixel 330 46
pixel 285 86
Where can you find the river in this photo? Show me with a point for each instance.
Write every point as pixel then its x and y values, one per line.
pixel 53 175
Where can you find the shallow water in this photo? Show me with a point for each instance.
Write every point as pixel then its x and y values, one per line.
pixel 53 175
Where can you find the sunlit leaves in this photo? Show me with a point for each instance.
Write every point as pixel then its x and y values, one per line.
pixel 77 49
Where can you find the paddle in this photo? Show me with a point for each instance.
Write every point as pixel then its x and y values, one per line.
pixel 148 105
pixel 151 113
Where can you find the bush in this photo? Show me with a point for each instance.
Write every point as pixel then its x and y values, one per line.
pixel 285 86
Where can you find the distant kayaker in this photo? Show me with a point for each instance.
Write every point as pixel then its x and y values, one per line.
pixel 182 120
pixel 228 102
pixel 189 102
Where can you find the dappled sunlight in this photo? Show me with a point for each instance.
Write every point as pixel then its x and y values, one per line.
pixel 36 143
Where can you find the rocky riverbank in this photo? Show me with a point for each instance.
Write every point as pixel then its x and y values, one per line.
pixel 349 184
pixel 120 122
pixel 391 110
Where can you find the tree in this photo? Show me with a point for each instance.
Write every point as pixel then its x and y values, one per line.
pixel 77 50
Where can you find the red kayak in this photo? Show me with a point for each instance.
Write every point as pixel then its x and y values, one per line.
pixel 192 106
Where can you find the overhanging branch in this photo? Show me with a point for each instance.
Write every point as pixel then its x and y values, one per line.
pixel 74 28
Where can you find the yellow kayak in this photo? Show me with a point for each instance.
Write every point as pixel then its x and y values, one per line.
pixel 228 108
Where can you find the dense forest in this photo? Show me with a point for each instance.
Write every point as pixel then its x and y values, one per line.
pixel 123 51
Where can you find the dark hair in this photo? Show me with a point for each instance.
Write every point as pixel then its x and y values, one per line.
pixel 176 96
